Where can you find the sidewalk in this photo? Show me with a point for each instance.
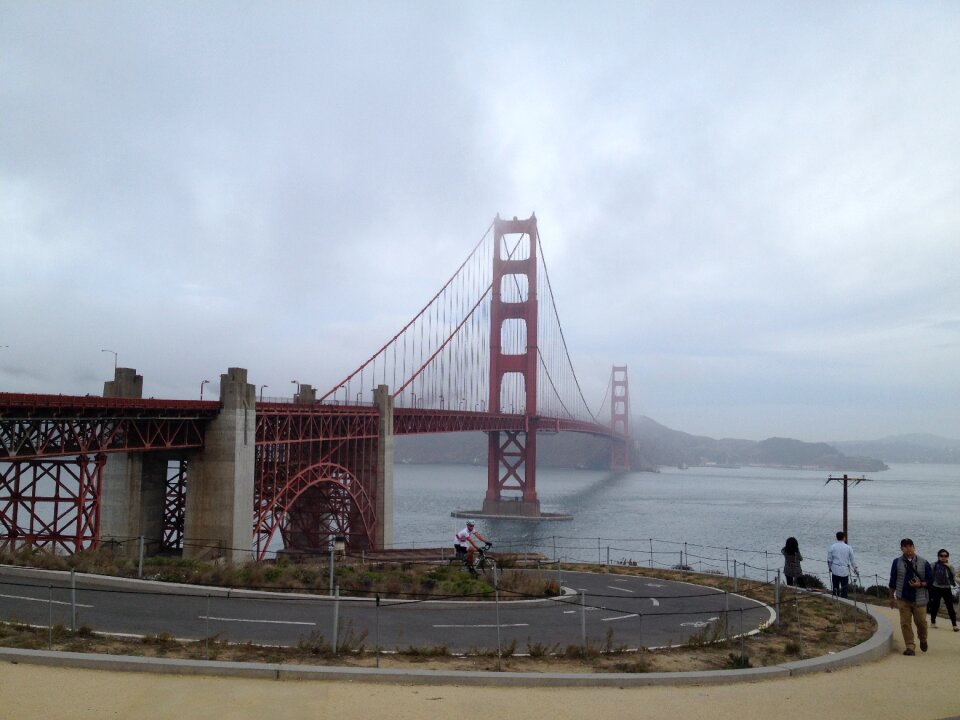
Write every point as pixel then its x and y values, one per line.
pixel 924 687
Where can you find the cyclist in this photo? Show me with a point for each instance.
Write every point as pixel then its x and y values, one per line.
pixel 464 545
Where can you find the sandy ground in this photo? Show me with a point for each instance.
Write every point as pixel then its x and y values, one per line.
pixel 922 687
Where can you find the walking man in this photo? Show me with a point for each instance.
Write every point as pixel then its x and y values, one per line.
pixel 840 562
pixel 910 576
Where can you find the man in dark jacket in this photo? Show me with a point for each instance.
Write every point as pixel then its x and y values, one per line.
pixel 910 576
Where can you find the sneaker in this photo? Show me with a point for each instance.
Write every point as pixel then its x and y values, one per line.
pixel 908 651
pixel 923 646
pixel 956 629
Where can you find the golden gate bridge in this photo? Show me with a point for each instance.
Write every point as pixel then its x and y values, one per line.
pixel 485 354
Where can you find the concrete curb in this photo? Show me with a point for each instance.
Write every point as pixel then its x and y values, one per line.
pixel 875 648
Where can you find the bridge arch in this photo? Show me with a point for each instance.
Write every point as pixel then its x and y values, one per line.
pixel 316 503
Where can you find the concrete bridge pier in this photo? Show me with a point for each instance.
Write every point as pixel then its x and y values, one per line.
pixel 133 486
pixel 384 480
pixel 219 502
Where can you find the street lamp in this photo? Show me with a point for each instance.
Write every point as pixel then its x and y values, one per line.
pixel 114 357
pixel 261 391
pixel 297 383
pixel 201 388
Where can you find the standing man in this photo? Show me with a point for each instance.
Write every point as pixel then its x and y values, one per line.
pixel 910 576
pixel 841 563
pixel 464 545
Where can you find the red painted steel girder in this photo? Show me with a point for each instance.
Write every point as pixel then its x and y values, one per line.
pixel 21 405
pixel 32 438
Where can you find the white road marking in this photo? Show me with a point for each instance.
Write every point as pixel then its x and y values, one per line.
pixel 254 620
pixel 614 587
pixel 699 623
pixel 656 603
pixel 655 585
pixel 43 600
pixel 482 626
pixel 619 617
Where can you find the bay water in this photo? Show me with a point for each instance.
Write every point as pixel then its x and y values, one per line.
pixel 709 517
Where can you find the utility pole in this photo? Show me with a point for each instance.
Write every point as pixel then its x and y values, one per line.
pixel 846 480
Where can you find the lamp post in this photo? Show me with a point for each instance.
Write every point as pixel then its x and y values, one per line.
pixel 337 547
pixel 201 388
pixel 297 383
pixel 261 391
pixel 114 358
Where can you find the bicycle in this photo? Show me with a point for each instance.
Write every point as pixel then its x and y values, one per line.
pixel 482 562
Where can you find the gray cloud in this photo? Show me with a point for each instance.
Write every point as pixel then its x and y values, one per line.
pixel 754 206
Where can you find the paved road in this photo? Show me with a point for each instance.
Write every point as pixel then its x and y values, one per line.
pixel 639 611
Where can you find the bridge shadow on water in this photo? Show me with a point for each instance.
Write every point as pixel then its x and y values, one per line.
pixel 571 503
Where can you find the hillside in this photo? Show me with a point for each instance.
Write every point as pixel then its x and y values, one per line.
pixel 906 449
pixel 654 445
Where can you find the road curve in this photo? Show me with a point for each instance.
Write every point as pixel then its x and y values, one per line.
pixel 622 610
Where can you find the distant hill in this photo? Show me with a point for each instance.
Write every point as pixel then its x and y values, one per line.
pixel 906 449
pixel 655 445
pixel 662 446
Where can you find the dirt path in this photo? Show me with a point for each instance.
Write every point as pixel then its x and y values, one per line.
pixel 923 687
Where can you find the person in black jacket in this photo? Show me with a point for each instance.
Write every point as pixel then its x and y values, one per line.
pixel 791 561
pixel 944 578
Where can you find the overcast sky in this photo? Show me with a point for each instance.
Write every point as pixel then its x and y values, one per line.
pixel 755 206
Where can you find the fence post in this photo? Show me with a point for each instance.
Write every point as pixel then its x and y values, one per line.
pixel 599 553
pixel 73 600
pixel 206 639
pixel 776 597
pixel 50 615
pixel 651 552
pixel 378 630
pixel 336 616
pixel 608 555
pixel 728 561
pixel 583 621
pixel 766 567
pixel 685 558
pixel 735 586
pixel 140 560
pixel 555 548
pixel 496 595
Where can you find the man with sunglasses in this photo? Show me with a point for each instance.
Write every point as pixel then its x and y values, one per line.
pixel 944 579
pixel 910 576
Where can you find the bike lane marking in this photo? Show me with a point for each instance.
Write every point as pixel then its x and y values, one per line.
pixel 254 620
pixel 43 600
pixel 503 625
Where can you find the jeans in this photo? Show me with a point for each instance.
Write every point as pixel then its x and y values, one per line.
pixel 840 585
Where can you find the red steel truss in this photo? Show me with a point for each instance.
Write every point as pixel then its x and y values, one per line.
pixel 316 469
pixel 52 503
pixel 52 452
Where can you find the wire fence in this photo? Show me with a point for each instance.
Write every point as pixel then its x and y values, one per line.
pixel 498 621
